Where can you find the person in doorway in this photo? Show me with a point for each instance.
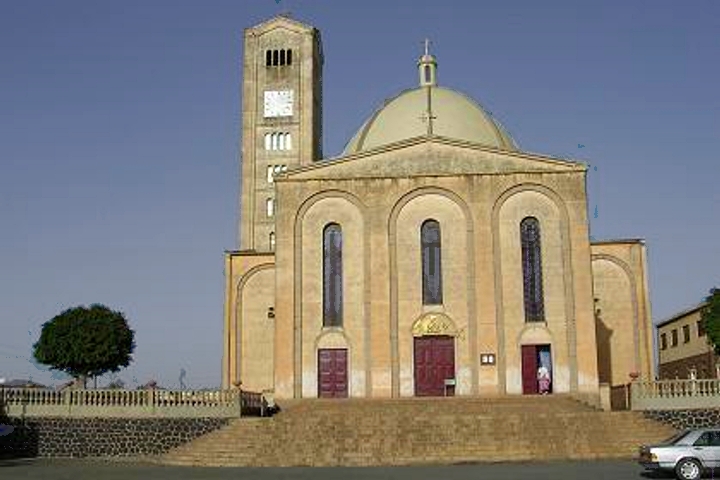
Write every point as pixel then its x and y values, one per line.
pixel 543 377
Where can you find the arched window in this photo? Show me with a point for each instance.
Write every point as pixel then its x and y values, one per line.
pixel 268 141
pixel 532 270
pixel 272 241
pixel 332 276
pixel 270 206
pixel 268 58
pixel 281 141
pixel 274 143
pixel 288 142
pixel 275 57
pixel 428 74
pixel 431 263
pixel 289 57
pixel 282 57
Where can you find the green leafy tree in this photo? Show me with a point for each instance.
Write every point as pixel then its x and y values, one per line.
pixel 711 318
pixel 86 342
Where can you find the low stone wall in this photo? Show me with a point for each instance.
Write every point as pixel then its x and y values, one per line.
pixel 101 437
pixel 683 419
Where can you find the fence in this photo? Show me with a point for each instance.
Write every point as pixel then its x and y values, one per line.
pixel 34 402
pixel 675 394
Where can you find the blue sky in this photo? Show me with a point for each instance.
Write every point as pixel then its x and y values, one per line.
pixel 119 130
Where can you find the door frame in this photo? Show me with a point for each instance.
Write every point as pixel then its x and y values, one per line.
pixel 347 371
pixel 529 363
pixel 452 339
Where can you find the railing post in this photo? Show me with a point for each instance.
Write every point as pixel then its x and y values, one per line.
pixel 239 400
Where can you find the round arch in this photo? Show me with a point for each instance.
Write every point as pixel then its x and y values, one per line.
pixel 471 301
pixel 559 203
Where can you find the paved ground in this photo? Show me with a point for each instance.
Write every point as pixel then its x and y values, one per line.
pixel 83 470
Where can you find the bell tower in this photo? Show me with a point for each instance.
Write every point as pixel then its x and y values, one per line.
pixel 281 118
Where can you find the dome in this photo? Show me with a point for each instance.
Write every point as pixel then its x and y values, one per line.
pixel 453 115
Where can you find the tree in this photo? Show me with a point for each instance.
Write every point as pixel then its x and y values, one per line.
pixel 116 385
pixel 710 318
pixel 85 342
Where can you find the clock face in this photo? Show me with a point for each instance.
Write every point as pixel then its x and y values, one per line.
pixel 279 103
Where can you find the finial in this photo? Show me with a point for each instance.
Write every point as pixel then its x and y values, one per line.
pixel 428 67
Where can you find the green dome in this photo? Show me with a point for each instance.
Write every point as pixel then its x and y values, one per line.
pixel 454 115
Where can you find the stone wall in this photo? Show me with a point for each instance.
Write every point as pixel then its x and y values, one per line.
pixel 683 419
pixel 704 365
pixel 101 437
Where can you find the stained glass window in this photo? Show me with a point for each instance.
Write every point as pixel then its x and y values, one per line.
pixel 532 270
pixel 431 263
pixel 332 276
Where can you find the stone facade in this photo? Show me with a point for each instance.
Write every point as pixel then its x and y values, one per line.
pixel 686 419
pixel 479 193
pixel 101 437
pixel 622 311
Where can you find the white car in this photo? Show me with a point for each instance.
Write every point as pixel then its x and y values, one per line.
pixel 689 454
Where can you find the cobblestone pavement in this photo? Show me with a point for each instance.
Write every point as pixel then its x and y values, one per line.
pixel 85 470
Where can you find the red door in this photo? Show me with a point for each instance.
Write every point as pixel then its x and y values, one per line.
pixel 332 373
pixel 529 369
pixel 434 363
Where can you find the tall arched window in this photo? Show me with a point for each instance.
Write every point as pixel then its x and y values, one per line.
pixel 282 57
pixel 272 241
pixel 268 58
pixel 532 270
pixel 332 276
pixel 431 263
pixel 289 57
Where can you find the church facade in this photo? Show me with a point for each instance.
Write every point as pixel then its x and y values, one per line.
pixel 432 257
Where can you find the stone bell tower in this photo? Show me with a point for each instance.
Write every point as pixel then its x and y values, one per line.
pixel 281 118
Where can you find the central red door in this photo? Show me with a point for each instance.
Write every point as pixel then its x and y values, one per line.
pixel 529 369
pixel 332 373
pixel 434 363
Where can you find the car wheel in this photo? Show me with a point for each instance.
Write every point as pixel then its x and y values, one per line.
pixel 688 469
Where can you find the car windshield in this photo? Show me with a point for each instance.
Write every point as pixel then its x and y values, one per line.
pixel 675 438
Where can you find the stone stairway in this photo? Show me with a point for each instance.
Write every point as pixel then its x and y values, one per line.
pixel 364 432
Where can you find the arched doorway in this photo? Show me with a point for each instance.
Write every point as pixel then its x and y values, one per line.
pixel 434 355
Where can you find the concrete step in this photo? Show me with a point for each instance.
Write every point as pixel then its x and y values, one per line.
pixel 421 431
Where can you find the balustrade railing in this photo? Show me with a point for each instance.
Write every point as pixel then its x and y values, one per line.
pixel 675 394
pixel 41 402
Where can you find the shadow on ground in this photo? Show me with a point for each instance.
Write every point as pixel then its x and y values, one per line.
pixel 21 443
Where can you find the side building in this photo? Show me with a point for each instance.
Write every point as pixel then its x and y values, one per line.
pixel 684 347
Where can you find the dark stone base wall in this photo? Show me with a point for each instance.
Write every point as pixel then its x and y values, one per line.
pixel 683 419
pixel 704 364
pixel 101 437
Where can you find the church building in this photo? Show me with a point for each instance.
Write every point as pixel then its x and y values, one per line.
pixel 432 257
